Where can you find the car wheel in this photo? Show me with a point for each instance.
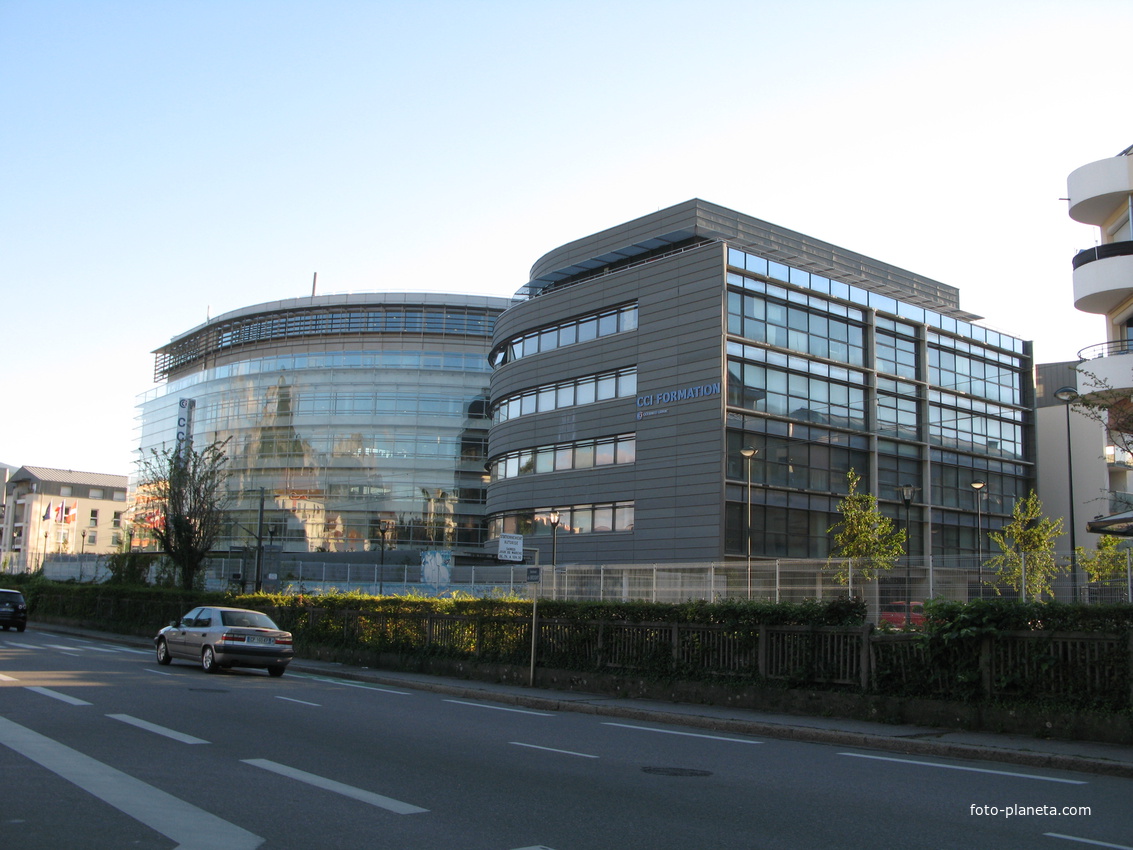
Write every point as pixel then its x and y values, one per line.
pixel 21 627
pixel 208 661
pixel 276 671
pixel 5 628
pixel 163 656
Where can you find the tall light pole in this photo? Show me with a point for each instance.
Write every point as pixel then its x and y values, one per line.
pixel 749 454
pixel 1068 395
pixel 555 518
pixel 977 487
pixel 385 526
pixel 907 493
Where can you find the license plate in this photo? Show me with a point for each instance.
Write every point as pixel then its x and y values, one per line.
pixel 266 641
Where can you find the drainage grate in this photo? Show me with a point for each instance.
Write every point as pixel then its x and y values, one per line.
pixel 676 771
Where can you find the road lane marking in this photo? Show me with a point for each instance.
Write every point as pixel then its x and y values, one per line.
pixel 1088 841
pixel 191 828
pixel 23 645
pixel 300 701
pixel 969 769
pixel 64 647
pixel 686 734
pixel 388 803
pixel 47 692
pixel 160 730
pixel 501 708
pixel 4 678
pixel 158 672
pixel 349 684
pixel 552 750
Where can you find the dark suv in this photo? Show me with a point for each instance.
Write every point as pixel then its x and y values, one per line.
pixel 13 610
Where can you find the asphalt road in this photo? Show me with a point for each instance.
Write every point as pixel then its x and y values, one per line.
pixel 102 748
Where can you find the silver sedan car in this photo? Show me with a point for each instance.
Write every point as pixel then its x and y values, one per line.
pixel 216 637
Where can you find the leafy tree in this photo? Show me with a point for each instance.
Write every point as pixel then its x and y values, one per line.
pixel 865 542
pixel 1026 546
pixel 1106 562
pixel 183 496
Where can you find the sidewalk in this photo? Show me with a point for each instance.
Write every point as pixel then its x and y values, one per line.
pixel 1085 756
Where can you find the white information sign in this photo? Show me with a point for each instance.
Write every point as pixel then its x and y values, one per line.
pixel 511 547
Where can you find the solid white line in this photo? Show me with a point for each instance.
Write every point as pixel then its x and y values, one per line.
pixel 64 647
pixel 301 701
pixel 23 645
pixel 686 734
pixel 158 672
pixel 191 828
pixel 349 684
pixel 4 678
pixel 1088 841
pixel 969 769
pixel 135 651
pixel 47 692
pixel 395 806
pixel 552 750
pixel 500 708
pixel 160 730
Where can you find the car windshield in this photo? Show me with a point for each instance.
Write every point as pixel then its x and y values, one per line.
pixel 11 596
pixel 247 619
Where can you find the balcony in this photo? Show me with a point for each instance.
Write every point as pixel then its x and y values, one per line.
pixel 1103 277
pixel 1107 365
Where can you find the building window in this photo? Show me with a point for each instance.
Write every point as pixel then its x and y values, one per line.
pixel 95 493
pixel 93 518
pixel 91 538
pixel 561 457
pixel 614 517
pixel 65 490
pixel 582 329
pixel 580 391
pixel 116 522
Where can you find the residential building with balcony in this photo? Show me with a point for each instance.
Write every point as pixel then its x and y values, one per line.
pixel 1101 195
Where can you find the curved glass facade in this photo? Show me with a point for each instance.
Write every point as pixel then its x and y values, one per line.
pixel 343 436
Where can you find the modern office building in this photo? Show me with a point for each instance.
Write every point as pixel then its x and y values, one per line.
pixel 54 512
pixel 359 422
pixel 693 386
pixel 1101 194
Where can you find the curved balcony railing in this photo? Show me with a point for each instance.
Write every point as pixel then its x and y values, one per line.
pixel 1113 348
pixel 1101 252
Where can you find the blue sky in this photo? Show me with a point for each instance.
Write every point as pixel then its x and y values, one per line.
pixel 163 161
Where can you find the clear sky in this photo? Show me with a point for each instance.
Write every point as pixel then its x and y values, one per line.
pixel 166 161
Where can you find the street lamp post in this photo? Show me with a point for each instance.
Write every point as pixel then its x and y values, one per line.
pixel 1068 395
pixel 385 526
pixel 749 454
pixel 907 493
pixel 978 487
pixel 555 519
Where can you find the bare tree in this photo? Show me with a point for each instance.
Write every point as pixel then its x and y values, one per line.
pixel 183 495
pixel 1109 407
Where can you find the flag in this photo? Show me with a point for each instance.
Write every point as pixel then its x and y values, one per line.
pixel 47 513
pixel 60 511
pixel 73 512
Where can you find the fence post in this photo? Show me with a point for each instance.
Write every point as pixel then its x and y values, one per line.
pixel 676 639
pixel 866 656
pixel 1128 578
pixel 777 580
pixel 985 666
pixel 761 654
